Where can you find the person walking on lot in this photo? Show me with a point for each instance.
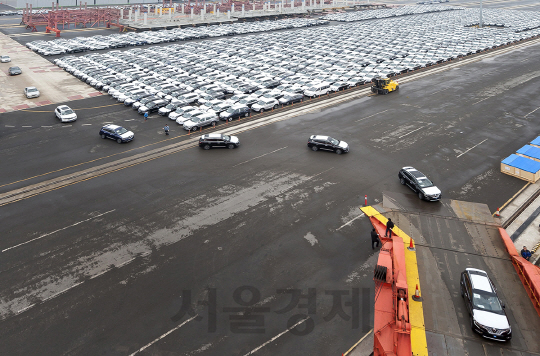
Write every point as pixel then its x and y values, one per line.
pixel 374 239
pixel 166 129
pixel 145 116
pixel 526 254
pixel 389 227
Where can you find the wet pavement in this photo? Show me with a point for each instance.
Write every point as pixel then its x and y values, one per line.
pixel 450 236
pixel 104 266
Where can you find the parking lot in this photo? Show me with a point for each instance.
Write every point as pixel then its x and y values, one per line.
pixel 105 244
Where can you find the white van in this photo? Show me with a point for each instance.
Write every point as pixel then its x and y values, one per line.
pixel 317 90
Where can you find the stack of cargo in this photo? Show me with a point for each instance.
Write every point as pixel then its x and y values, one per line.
pixel 525 164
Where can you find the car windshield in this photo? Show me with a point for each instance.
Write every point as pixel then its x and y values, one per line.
pixel 170 106
pixel 120 131
pixel 67 112
pixel 230 110
pixel 333 141
pixel 487 302
pixel 424 182
pixel 244 101
pixel 31 90
pixel 226 138
pixel 261 102
pixel 195 119
pixel 217 108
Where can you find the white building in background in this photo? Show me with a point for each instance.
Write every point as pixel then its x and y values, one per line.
pixel 37 4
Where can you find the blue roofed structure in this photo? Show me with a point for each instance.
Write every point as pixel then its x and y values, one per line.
pixel 529 151
pixel 536 141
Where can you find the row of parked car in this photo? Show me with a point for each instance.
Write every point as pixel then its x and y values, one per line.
pixel 229 78
pixel 117 40
pixel 387 13
pixel 515 20
pixel 184 98
pixel 10 13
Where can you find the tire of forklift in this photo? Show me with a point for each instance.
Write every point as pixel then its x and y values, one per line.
pixel 373 90
pixel 385 91
pixel 397 87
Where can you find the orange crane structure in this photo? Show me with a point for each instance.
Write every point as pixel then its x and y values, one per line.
pixel 58 17
pixel 392 328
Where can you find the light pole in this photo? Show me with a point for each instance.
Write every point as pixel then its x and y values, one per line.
pixel 481 21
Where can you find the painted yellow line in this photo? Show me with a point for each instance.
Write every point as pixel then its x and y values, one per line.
pixel 119 153
pixel 416 309
pixel 93 160
pixel 95 107
pixel 98 175
pixel 115 154
pixel 369 211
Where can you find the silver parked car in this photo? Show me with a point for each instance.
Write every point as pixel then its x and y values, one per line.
pixel 31 92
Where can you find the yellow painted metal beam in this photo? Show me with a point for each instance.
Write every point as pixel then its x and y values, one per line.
pixel 416 308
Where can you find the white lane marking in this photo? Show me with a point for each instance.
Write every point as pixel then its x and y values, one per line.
pixel 435 92
pixel 479 101
pixel 9 126
pixel 342 226
pixel 67 125
pixel 412 131
pixel 130 120
pixel 461 154
pixel 46 126
pixel 50 233
pixel 26 126
pixel 372 115
pixel 249 160
pixel 275 337
pixel 126 262
pixel 61 292
pixel 107 123
pixel 164 335
pixel 25 309
pixel 86 124
pixel 531 112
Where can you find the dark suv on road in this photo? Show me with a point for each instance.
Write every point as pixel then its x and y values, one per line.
pixel 218 140
pixel 419 183
pixel 486 311
pixel 117 133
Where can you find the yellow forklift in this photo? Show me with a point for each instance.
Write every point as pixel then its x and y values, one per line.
pixel 384 85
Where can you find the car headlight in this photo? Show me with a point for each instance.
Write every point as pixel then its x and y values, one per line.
pixel 479 326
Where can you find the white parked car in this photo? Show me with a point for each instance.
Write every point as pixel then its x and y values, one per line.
pixel 5 59
pixel 31 92
pixel 265 104
pixel 196 122
pixel 181 111
pixel 188 116
pixel 65 113
pixel 317 90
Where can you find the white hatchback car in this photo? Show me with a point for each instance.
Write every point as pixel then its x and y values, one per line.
pixel 5 59
pixel 65 113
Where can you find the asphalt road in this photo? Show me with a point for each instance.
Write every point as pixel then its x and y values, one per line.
pixel 271 214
